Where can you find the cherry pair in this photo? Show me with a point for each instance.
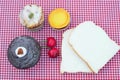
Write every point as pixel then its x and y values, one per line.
pixel 51 43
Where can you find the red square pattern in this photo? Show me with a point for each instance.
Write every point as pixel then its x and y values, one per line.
pixel 105 13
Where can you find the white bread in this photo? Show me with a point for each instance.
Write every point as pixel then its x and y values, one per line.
pixel 93 44
pixel 70 60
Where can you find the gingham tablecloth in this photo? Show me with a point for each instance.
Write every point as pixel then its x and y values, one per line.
pixel 105 13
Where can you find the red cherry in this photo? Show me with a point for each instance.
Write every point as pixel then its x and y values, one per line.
pixel 53 53
pixel 51 42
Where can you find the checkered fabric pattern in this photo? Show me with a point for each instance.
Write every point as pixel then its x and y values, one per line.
pixel 105 13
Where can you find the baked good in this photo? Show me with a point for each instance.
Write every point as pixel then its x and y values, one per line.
pixel 71 62
pixel 24 52
pixel 32 17
pixel 59 18
pixel 93 45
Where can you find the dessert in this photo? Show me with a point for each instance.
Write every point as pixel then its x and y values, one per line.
pixel 59 18
pixel 32 17
pixel 24 52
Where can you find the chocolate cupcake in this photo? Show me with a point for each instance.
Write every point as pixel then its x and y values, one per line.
pixel 32 17
pixel 24 52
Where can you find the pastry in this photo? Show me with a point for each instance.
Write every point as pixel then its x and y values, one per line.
pixel 32 17
pixel 59 18
pixel 24 52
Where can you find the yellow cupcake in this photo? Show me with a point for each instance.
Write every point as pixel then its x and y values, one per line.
pixel 59 18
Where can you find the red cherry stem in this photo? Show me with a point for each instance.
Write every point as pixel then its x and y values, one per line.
pixel 45 47
pixel 41 43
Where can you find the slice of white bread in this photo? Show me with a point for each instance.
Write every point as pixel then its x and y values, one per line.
pixel 93 45
pixel 70 60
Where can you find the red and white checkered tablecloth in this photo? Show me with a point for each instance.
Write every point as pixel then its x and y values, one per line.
pixel 105 13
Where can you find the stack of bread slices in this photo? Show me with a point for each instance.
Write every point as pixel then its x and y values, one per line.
pixel 86 48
